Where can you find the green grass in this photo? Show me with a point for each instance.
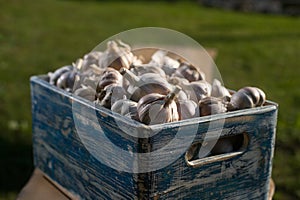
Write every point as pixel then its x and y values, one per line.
pixel 253 49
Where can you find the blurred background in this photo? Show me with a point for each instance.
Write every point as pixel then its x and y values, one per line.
pixel 254 49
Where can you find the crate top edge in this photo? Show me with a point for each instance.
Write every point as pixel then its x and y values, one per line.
pixel 271 106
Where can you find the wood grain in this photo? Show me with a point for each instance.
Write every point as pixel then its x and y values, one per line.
pixel 70 158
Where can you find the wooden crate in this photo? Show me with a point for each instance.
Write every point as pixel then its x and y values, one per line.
pixel 61 153
pixel 40 187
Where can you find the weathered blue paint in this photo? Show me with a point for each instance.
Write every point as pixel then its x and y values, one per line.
pixel 60 153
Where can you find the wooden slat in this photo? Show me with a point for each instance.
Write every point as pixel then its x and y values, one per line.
pixel 39 187
pixel 60 151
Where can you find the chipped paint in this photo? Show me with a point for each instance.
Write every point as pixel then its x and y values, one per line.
pixel 59 153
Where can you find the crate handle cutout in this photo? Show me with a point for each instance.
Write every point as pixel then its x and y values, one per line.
pixel 215 150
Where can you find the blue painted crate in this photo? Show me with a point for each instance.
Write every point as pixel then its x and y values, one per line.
pixel 68 143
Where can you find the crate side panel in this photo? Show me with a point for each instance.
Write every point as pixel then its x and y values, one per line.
pixel 245 176
pixel 242 177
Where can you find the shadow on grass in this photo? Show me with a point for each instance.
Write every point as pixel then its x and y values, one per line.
pixel 16 165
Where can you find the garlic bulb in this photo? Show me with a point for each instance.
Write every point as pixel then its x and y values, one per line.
pixel 155 108
pixel 110 76
pixel 190 72
pixel 197 90
pixel 145 84
pixel 86 92
pixel 187 109
pixel 217 90
pixel 57 73
pixel 67 81
pixel 110 94
pixel 125 107
pixel 247 97
pixel 91 58
pixel 166 63
pixel 117 55
pixel 147 68
pixel 211 105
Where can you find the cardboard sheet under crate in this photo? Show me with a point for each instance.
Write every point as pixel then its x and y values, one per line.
pixel 67 153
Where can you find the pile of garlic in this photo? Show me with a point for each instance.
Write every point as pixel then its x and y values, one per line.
pixel 159 91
